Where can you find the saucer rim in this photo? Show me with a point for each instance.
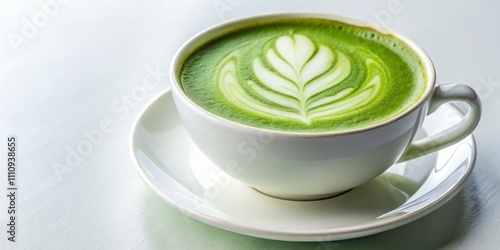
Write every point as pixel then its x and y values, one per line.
pixel 298 235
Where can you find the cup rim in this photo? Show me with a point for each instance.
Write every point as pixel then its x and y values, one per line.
pixel 206 35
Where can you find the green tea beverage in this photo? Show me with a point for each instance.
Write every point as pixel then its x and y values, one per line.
pixel 304 75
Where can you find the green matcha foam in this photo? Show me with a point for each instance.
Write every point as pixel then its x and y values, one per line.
pixel 304 75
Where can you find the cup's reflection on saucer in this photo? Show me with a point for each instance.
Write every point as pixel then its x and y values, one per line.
pixel 301 198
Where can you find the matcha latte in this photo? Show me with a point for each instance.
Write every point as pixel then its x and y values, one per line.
pixel 304 75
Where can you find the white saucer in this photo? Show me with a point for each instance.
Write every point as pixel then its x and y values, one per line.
pixel 167 160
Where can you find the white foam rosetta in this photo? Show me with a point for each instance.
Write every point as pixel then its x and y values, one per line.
pixel 292 73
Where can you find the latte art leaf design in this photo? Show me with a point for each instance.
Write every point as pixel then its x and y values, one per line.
pixel 292 79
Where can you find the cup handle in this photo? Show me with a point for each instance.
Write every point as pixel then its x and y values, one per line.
pixel 442 94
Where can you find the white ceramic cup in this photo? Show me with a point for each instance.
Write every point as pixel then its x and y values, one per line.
pixel 309 166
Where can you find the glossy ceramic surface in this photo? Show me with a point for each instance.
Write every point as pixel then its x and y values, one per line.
pixel 169 162
pixel 320 164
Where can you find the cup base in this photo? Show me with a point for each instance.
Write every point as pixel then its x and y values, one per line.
pixel 293 197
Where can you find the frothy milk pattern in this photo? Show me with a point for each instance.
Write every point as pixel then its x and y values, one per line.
pixel 293 76
pixel 303 75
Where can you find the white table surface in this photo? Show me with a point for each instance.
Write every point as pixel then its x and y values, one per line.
pixel 68 66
